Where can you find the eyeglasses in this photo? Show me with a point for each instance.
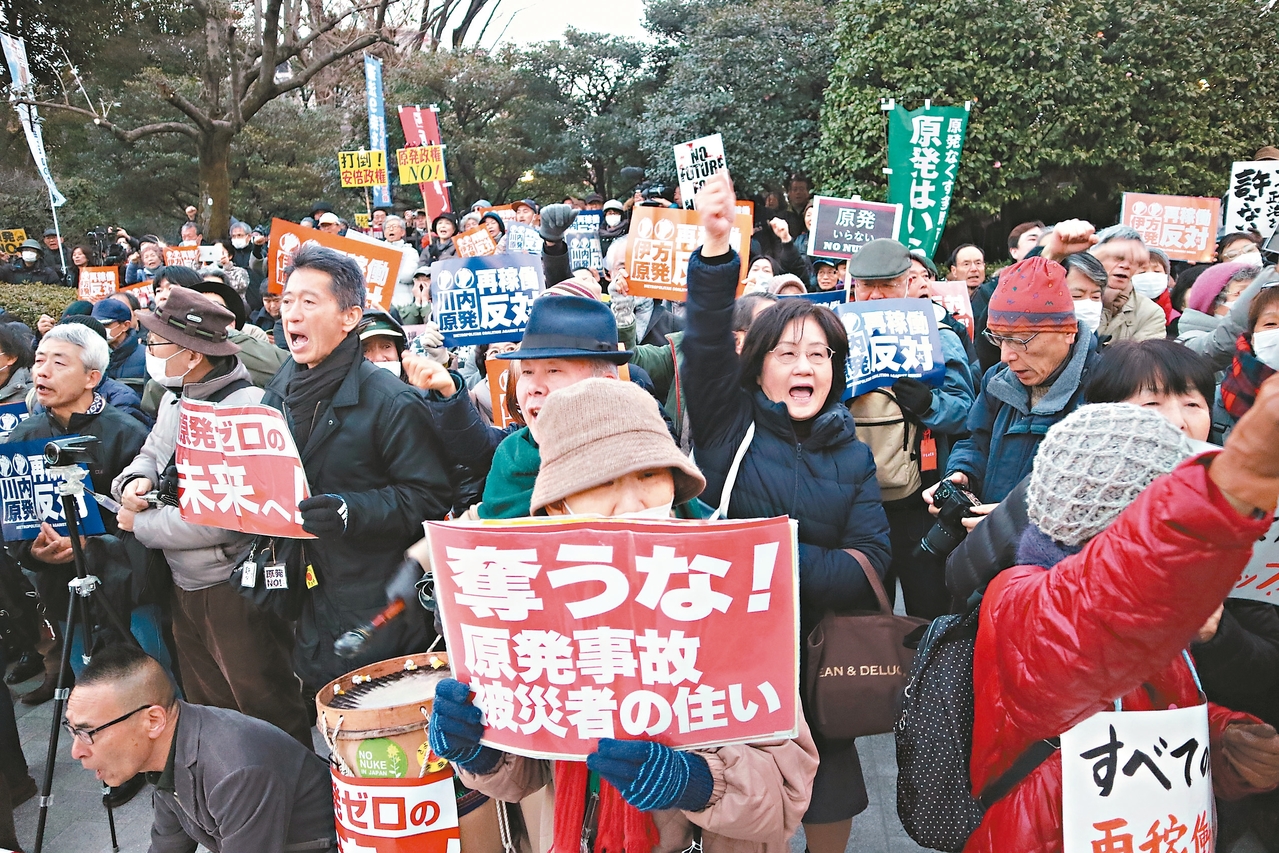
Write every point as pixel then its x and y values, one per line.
pixel 790 355
pixel 86 735
pixel 1019 344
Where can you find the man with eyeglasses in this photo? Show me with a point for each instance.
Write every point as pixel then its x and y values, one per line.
pixel 1044 361
pixel 222 780
pixel 232 654
pixel 908 428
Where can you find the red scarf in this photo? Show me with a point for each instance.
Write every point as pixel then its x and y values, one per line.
pixel 622 827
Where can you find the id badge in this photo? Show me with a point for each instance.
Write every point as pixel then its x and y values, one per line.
pixel 249 573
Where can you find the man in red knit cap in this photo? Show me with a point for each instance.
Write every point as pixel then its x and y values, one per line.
pixel 1044 358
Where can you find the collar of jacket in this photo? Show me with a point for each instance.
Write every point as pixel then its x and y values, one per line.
pixel 127 347
pixel 348 393
pixel 1005 387
pixel 832 425
pixel 204 390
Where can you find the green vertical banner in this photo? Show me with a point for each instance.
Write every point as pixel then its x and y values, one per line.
pixel 923 159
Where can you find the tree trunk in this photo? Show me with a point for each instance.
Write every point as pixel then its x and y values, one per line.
pixel 215 182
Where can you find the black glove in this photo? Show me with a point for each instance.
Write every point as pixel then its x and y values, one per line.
pixel 913 396
pixel 556 219
pixel 324 516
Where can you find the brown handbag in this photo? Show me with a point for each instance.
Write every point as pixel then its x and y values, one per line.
pixel 858 665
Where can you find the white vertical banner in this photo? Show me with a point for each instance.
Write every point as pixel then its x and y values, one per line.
pixel 15 54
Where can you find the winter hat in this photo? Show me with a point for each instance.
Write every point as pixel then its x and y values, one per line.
pixel 576 287
pixel 79 306
pixel 1208 286
pixel 778 282
pixel 496 217
pixel 1094 463
pixel 599 429
pixel 1032 297
pixel 112 311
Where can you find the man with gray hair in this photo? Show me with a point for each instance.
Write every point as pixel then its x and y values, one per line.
pixel 393 232
pixel 69 364
pixel 1126 315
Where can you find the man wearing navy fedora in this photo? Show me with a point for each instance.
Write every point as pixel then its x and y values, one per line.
pixel 567 339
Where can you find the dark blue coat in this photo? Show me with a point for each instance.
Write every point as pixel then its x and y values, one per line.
pixel 129 360
pixel 826 481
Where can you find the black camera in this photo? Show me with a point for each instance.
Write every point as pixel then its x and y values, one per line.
pixel 63 452
pixel 954 503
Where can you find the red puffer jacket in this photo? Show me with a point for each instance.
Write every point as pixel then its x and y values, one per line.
pixel 1056 646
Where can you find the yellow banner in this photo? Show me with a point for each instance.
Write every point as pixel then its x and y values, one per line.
pixel 11 239
pixel 362 168
pixel 421 164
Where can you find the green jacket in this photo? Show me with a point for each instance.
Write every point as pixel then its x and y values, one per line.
pixel 662 364
pixel 508 492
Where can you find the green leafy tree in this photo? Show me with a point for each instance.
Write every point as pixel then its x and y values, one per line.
pixel 1073 104
pixel 753 70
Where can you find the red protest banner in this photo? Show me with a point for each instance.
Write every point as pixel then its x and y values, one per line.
pixel 239 469
pixel 474 243
pixel 686 633
pixel 422 127
pixel 182 256
pixel 1185 227
pixel 662 239
pixel 97 283
pixel 379 263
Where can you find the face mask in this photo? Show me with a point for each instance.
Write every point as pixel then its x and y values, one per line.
pixel 1150 284
pixel 240 242
pixel 1265 345
pixel 156 368
pixel 30 256
pixel 612 219
pixel 1252 259
pixel 392 366
pixel 1088 311
pixel 655 512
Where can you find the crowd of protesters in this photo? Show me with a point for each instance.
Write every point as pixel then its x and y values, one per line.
pixel 1112 413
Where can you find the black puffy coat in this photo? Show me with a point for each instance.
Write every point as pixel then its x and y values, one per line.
pixel 825 481
pixel 375 446
pixel 1240 664
pixel 990 548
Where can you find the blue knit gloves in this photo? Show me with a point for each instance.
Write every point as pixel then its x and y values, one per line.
pixel 456 728
pixel 652 777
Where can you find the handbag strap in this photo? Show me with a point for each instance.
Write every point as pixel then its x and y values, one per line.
pixel 726 494
pixel 885 606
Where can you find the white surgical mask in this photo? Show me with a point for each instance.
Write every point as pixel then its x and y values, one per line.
pixel 655 512
pixel 1088 311
pixel 1150 284
pixel 156 368
pixel 30 256
pixel 240 242
pixel 393 366
pixel 1265 345
pixel 611 219
pixel 1251 259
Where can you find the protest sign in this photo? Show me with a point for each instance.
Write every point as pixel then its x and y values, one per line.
pixel 97 283
pixel 182 256
pixel 1259 580
pixel 1252 202
pixel 584 249
pixel 695 162
pixel 523 239
pixel 239 469
pixel 143 291
pixel 11 239
pixel 953 296
pixel 376 106
pixel 396 815
pixel 11 414
pixel 474 243
pixel 588 220
pixel 841 226
pixel 422 127
pixel 362 168
pixel 923 159
pixel 506 211
pixel 362 221
pixel 891 339
pixel 421 164
pixel 29 493
pixel 1184 227
pixel 685 633
pixel 1138 781
pixel 378 262
pixel 662 239
pixel 486 299
pixel 499 379
pixel 829 298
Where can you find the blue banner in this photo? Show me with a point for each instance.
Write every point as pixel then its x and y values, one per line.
pixel 377 121
pixel 830 298
pixel 29 494
pixel 484 299
pixel 891 339
pixel 11 415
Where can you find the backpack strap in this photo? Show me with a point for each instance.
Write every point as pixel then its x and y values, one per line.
pixel 1036 754
pixel 726 494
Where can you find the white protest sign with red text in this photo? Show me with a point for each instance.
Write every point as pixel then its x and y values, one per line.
pixel 685 633
pixel 397 815
pixel 1260 578
pixel 97 283
pixel 239 469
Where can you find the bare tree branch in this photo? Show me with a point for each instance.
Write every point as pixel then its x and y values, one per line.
pixel 126 136
pixel 300 79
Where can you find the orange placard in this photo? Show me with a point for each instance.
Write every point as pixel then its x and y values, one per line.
pixel 1183 226
pixel 474 243
pixel 182 256
pixel 662 239
pixel 97 283
pixel 499 375
pixel 379 263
